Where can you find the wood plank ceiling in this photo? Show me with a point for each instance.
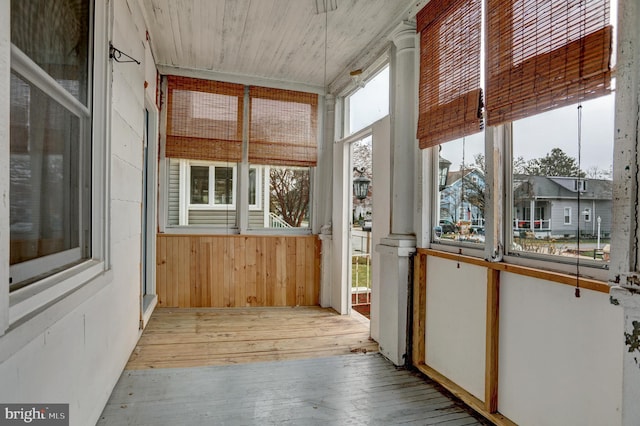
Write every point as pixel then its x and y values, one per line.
pixel 281 40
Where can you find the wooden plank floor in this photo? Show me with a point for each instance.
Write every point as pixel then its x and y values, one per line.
pixel 208 336
pixel 354 389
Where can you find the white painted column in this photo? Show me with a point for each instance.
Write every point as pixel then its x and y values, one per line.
pixel 624 238
pixel 403 128
pixel 324 197
pixel 5 57
pixel 396 248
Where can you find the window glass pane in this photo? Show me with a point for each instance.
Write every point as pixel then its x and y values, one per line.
pixel 370 103
pixel 44 175
pixel 223 185
pixel 55 35
pixel 461 182
pixel 288 197
pixel 252 186
pixel 562 198
pixel 199 185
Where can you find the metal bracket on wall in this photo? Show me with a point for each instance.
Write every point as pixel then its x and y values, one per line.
pixel 116 54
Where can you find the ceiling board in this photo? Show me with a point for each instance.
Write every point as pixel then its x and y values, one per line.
pixel 281 40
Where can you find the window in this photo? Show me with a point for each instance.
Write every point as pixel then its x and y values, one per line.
pixel 370 102
pixel 289 192
pixel 223 192
pixel 218 180
pixel 567 215
pixel 564 185
pixel 199 185
pixel 580 185
pixel 255 188
pixel 546 72
pixel 461 216
pixel 206 137
pixel 50 138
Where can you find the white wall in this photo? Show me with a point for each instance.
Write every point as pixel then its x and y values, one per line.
pixel 74 351
pixel 560 356
pixel 381 220
pixel 456 322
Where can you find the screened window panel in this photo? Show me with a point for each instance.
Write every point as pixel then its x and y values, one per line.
pixel 544 55
pixel 283 127
pixel 204 120
pixel 55 35
pixel 44 167
pixel 199 185
pixel 450 98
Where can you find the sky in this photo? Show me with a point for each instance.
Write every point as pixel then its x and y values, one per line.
pixel 536 136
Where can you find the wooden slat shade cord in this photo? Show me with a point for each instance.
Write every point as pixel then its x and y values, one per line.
pixel 450 98
pixel 204 119
pixel 283 127
pixel 545 54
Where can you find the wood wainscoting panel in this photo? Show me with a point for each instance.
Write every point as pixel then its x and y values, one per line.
pixel 218 271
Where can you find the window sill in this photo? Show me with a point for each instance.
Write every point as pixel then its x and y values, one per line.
pixel 587 268
pixel 36 308
pixel 27 301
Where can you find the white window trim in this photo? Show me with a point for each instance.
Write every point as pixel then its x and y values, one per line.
pixel 587 216
pixel 51 293
pixel 259 171
pixel 212 204
pixel 567 215
pixel 32 73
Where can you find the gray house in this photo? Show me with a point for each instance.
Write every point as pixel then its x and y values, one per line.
pixel 562 206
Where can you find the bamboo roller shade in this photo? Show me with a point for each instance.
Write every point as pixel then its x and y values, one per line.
pixel 450 98
pixel 283 127
pixel 204 119
pixel 545 54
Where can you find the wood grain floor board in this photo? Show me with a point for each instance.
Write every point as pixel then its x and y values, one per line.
pixel 312 391
pixel 209 336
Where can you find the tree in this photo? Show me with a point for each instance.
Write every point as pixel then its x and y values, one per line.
pixel 555 163
pixel 290 194
pixel 362 158
pixel 595 172
pixel 519 166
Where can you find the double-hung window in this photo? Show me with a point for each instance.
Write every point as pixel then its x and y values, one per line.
pixel 211 186
pixel 450 115
pixel 546 100
pixel 50 137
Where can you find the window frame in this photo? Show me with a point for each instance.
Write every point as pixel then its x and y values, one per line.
pixel 212 166
pixel 257 206
pixel 40 295
pixel 567 216
pixel 21 274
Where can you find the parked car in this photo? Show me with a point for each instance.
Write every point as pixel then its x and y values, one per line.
pixel 476 230
pixel 447 227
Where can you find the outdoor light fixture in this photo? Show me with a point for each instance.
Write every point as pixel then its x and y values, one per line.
pixel 360 184
pixel 443 172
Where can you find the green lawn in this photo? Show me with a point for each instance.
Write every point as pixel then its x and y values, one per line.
pixel 359 276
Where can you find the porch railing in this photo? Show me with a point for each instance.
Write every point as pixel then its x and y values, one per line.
pixel 540 224
pixel 361 268
pixel 277 222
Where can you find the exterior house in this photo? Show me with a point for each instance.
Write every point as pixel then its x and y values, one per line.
pixel 462 199
pixel 557 211
pixel 110 205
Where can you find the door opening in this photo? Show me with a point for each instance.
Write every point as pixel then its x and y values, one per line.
pixel 361 220
pixel 148 298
